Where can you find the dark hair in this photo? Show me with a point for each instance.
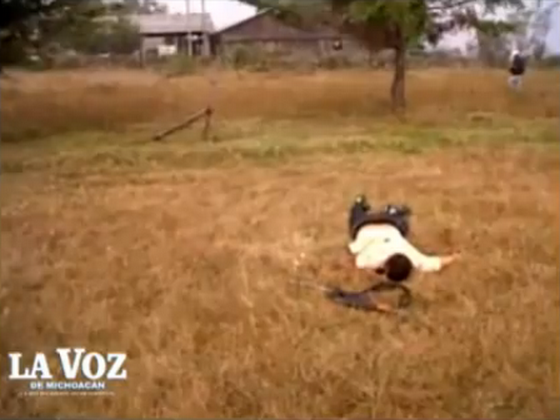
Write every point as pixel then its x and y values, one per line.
pixel 398 268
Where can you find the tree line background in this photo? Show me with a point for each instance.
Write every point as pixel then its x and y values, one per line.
pixel 46 27
pixel 41 29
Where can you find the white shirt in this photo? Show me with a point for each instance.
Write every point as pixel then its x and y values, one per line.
pixel 375 244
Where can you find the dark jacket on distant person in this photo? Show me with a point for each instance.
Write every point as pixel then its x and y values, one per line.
pixel 518 64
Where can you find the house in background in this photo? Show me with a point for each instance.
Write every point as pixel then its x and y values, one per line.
pixel 266 32
pixel 165 34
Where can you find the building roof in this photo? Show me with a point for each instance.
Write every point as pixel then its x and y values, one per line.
pixel 244 21
pixel 313 31
pixel 160 24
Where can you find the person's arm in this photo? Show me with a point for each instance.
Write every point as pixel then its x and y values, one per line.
pixel 378 243
pixel 422 262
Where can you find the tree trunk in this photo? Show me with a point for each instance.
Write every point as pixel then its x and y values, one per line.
pixel 398 92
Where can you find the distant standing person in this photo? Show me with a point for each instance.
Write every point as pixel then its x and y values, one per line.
pixel 518 64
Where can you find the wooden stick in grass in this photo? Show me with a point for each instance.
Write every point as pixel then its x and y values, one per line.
pixel 205 112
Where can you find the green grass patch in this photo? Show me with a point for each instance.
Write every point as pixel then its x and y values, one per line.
pixel 256 141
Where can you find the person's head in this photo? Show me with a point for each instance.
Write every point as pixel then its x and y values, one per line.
pixel 398 268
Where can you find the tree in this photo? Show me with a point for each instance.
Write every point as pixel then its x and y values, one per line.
pixel 538 26
pixel 393 24
pixel 35 24
pixel 143 6
pixel 112 36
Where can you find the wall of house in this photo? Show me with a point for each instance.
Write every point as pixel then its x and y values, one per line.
pixel 153 46
pixel 293 50
pixel 152 43
pixel 265 27
pixel 267 35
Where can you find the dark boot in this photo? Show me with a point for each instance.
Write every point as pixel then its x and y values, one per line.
pixel 358 213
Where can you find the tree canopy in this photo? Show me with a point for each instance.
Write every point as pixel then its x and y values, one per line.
pixel 143 6
pixel 33 26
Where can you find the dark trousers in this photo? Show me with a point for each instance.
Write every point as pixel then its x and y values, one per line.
pixel 517 71
pixel 361 216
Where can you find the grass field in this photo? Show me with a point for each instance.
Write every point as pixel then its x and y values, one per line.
pixel 181 253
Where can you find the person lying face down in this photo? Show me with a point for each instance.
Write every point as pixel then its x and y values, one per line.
pixel 378 242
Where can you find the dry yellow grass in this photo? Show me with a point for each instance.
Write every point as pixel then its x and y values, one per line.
pixel 56 102
pixel 180 253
